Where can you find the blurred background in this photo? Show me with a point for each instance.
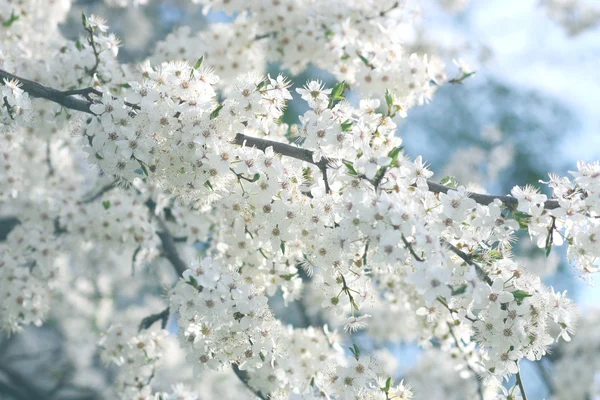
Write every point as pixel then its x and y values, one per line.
pixel 531 108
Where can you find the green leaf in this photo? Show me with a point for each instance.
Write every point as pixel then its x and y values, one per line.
pixel 79 45
pixel 363 59
pixel 199 63
pixel 208 185
pixel 346 126
pixel 494 255
pixel 351 170
pixel 13 18
pixel 393 154
pixel 521 294
pixel 449 181
pixel 106 204
pixel 389 100
pixel 337 92
pixel 522 218
pixel 388 384
pixel 216 111
pixel 460 290
pixel 255 177
pixel 355 351
pixel 84 20
pixel 261 84
pixel 282 247
pixel 192 281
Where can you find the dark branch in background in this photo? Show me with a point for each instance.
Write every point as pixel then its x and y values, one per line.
pixel 162 316
pixel 243 376
pixel 546 377
pixel 102 191
pixel 168 242
pixel 6 225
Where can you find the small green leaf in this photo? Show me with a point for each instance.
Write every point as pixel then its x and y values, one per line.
pixel 351 170
pixel 460 290
pixel 255 177
pixel 282 247
pixel 338 90
pixel 208 185
pixel 389 100
pixel 199 63
pixel 13 18
pixel 106 204
pixel 449 181
pixel 261 84
pixel 355 351
pixel 388 384
pixel 84 20
pixel 393 154
pixel 346 126
pixel 79 45
pixel 363 59
pixel 522 218
pixel 192 281
pixel 521 294
pixel 215 113
pixel 126 86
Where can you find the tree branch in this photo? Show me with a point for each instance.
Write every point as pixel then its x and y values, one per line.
pixel 63 98
pixel 521 387
pixel 243 376
pixel 38 90
pixel 162 316
pixel 480 271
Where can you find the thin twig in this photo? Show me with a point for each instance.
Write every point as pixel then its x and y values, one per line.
pixel 521 387
pixel 101 192
pixel 8 108
pixel 480 271
pixel 92 42
pixel 412 251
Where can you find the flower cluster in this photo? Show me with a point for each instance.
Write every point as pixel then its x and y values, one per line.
pixel 358 41
pixel 330 212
